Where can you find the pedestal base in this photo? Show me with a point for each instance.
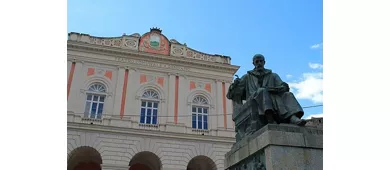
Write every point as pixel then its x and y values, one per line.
pixel 275 147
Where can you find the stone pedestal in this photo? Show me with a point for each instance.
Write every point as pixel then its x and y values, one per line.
pixel 278 147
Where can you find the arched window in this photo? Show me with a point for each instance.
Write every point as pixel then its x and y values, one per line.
pixel 149 107
pixel 200 110
pixel 95 101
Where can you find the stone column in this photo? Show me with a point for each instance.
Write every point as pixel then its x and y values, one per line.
pixel 229 108
pixel 76 98
pixel 68 70
pixel 182 100
pixel 118 91
pixel 171 97
pixel 219 105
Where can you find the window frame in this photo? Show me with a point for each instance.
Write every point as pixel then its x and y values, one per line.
pixel 198 104
pixel 99 94
pixel 153 100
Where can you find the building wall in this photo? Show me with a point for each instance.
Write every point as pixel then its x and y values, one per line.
pixel 117 149
pixel 126 73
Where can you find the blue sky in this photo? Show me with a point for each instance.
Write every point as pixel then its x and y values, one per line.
pixel 288 33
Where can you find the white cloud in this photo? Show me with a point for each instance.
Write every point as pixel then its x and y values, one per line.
pixel 315 65
pixel 309 87
pixel 315 46
pixel 289 76
pixel 314 115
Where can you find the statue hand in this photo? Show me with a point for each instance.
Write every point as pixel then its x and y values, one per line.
pixel 236 82
pixel 272 90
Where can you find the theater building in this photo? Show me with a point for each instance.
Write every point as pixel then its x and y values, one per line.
pixel 146 103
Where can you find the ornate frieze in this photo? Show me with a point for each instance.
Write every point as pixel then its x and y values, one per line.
pixel 151 42
pixel 151 64
pixel 125 42
pixel 179 50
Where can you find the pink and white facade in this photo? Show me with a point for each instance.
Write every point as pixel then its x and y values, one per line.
pixel 147 103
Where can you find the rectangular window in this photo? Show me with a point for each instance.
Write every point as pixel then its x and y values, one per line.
pixel 94 106
pixel 154 118
pixel 199 117
pixel 149 111
pixel 194 121
pixel 100 111
pixel 93 110
pixel 142 119
pixel 148 115
pixel 205 122
pixel 199 121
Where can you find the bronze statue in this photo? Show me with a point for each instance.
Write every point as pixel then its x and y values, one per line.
pixel 268 94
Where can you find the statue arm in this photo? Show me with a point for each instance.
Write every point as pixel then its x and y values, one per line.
pixel 236 91
pixel 280 86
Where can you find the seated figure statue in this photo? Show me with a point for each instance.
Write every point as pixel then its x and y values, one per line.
pixel 268 93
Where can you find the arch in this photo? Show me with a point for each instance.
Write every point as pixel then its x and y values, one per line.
pixel 150 94
pixel 97 87
pixel 200 92
pixel 96 79
pixel 145 161
pixel 150 86
pixel 201 162
pixel 84 157
pixel 200 100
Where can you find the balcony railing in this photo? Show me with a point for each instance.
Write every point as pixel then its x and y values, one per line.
pixel 162 124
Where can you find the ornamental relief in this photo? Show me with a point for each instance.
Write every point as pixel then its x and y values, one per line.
pixel 99 72
pixel 200 85
pixel 116 42
pixel 152 79
pixel 131 43
pixel 182 51
pixel 177 51
pixel 152 42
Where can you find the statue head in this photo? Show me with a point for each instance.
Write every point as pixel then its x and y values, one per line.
pixel 258 61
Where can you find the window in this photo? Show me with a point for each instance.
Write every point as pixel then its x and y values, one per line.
pixel 95 101
pixel 149 107
pixel 200 112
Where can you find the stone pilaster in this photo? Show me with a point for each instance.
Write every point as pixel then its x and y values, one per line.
pixel 171 97
pixel 229 108
pixel 119 91
pixel 76 99
pixel 219 105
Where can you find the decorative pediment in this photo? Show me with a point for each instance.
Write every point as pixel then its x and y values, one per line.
pixel 154 42
pixel 151 42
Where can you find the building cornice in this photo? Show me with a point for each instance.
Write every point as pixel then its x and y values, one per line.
pixel 153 69
pixel 187 62
pixel 157 134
